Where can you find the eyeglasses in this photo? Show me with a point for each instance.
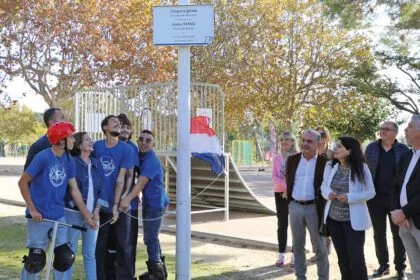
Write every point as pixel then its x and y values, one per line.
pixel 386 129
pixel 148 140
pixel 323 134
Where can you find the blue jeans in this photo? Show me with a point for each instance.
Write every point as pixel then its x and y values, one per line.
pixel 88 244
pixel 37 237
pixel 152 222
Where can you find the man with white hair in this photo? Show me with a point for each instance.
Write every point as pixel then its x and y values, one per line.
pixel 304 174
pixel 406 196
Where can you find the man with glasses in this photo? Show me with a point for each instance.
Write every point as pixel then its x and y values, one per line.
pixel 154 203
pixel 383 157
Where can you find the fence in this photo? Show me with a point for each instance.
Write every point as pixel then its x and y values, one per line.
pixel 150 106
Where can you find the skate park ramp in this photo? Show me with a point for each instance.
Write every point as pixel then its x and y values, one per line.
pixel 254 196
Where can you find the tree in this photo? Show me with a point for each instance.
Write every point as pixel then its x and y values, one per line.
pixel 404 96
pixel 277 59
pixel 18 125
pixel 59 47
pixel 394 75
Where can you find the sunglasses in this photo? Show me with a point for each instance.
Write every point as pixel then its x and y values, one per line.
pixel 148 140
pixel 323 135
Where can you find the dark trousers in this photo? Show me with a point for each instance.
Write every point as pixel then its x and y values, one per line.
pixel 379 208
pixel 349 245
pixel 118 232
pixel 282 210
pixel 134 232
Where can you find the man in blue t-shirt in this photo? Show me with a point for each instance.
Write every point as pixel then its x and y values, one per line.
pixel 154 204
pixel 51 116
pixel 115 157
pixel 50 173
pixel 125 136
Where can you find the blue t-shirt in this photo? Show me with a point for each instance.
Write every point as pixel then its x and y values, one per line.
pixel 154 194
pixel 112 160
pixel 136 161
pixel 50 175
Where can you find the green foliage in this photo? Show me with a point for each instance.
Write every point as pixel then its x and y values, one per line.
pixel 19 125
pixel 275 59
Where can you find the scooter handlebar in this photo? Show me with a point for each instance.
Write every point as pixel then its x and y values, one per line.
pixel 64 224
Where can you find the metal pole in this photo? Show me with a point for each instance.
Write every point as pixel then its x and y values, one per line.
pixel 51 254
pixel 183 178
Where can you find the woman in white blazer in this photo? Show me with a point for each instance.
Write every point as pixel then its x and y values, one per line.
pixel 346 186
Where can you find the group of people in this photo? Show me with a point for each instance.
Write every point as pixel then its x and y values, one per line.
pixel 338 194
pixel 68 179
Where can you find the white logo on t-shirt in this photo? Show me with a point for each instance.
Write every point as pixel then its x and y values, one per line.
pixel 108 165
pixel 57 175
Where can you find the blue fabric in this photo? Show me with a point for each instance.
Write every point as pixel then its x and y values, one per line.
pixel 216 161
pixel 136 161
pixel 89 238
pixel 100 194
pixel 37 237
pixel 40 145
pixel 112 160
pixel 50 175
pixel 154 194
pixel 372 153
pixel 152 222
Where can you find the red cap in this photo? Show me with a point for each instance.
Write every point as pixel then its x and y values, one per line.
pixel 58 131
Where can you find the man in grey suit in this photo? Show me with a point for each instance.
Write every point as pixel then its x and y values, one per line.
pixel 406 196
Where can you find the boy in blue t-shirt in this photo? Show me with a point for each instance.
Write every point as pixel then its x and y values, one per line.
pixel 154 204
pixel 115 157
pixel 50 173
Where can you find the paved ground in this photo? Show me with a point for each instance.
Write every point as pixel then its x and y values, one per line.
pixel 246 242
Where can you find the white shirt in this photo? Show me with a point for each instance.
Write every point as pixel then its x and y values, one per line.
pixel 413 162
pixel 303 187
pixel 89 200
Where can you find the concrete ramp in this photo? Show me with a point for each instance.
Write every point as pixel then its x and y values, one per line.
pixel 240 195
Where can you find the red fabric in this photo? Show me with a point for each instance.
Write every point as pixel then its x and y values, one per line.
pixel 200 125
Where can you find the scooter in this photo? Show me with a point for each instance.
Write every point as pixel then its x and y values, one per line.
pixel 54 234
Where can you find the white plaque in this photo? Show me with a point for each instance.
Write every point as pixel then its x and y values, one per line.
pixel 184 25
pixel 205 112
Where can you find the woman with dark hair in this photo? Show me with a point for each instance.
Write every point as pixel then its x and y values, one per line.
pixel 347 185
pixel 287 148
pixel 89 176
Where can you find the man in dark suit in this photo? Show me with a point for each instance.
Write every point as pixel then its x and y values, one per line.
pixel 406 196
pixel 304 174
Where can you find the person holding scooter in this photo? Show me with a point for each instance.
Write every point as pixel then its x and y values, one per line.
pixel 51 173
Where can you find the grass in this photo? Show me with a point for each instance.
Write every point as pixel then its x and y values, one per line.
pixel 12 248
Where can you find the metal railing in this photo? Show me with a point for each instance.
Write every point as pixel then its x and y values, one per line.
pixel 150 106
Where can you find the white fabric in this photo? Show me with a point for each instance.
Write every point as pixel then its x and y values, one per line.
pixel 202 143
pixel 89 200
pixel 303 187
pixel 358 194
pixel 413 162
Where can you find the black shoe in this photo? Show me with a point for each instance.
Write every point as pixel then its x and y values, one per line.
pixel 381 271
pixel 401 275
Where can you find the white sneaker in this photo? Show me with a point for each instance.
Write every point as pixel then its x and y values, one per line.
pixel 292 261
pixel 280 260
